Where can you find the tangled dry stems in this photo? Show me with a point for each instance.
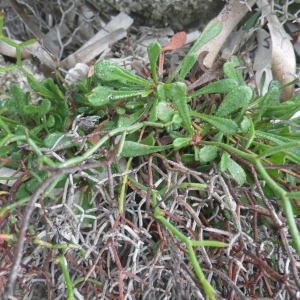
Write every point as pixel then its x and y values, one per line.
pixel 133 256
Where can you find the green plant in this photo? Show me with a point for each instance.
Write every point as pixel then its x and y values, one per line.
pixel 239 116
pixel 238 133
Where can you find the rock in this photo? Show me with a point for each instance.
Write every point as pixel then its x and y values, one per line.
pixel 180 15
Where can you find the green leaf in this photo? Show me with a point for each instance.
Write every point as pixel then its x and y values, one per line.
pixel 273 95
pixel 52 138
pixel 120 111
pixel 108 71
pixel 146 93
pixel 37 129
pixel 5 150
pixel 237 172
pixel 44 107
pixel 19 96
pixel 160 90
pixel 230 72
pixel 153 53
pixel 177 120
pixel 245 125
pixel 208 153
pixel 47 88
pixel 10 105
pixel 149 140
pixel 133 105
pixel 277 139
pixel 188 158
pixel 283 111
pixel 31 109
pixel 225 125
pixel 262 82
pixel 224 161
pixel 222 86
pixel 236 99
pixel 33 184
pixel 275 83
pixel 132 149
pixel 181 142
pixel 86 204
pixel 165 111
pixel 209 32
pixel 63 111
pixel 251 133
pixel 276 149
pixel 251 22
pixel 58 121
pixel 153 112
pixel 102 96
pixel 54 88
pixel 130 119
pixel 178 91
pixel 187 64
pixel 50 121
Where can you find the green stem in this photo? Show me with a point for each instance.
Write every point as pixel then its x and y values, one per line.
pixel 81 279
pixel 116 131
pixel 123 188
pixel 1 22
pixel 284 147
pixel 248 157
pixel 3 125
pixel 206 285
pixel 286 204
pixel 158 215
pixel 67 278
pixel 12 206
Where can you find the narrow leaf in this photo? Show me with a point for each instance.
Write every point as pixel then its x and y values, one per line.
pixel 153 54
pixel 210 31
pixel 19 96
pixel 108 71
pixel 276 149
pixel 187 64
pixel 178 91
pixel 251 22
pixel 64 112
pixel 251 133
pixel 132 149
pixel 53 87
pixel 237 98
pixel 273 95
pixel 225 125
pixel 224 161
pixel 44 88
pixel 229 71
pixel 101 95
pixel 222 86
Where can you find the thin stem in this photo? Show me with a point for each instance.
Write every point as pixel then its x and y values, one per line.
pixel 286 204
pixel 67 278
